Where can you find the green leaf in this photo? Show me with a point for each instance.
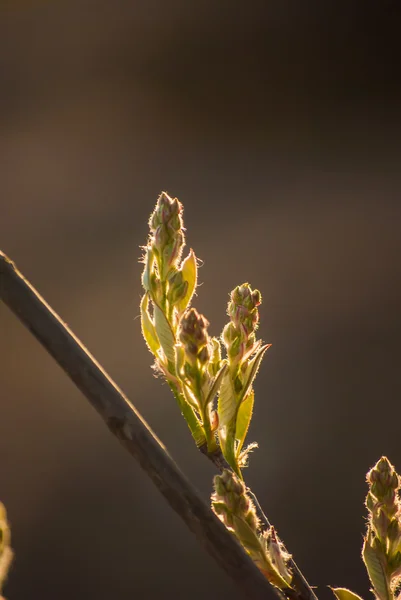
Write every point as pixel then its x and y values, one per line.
pixel 189 415
pixel 189 271
pixel 164 333
pixel 376 571
pixel 179 361
pixel 244 417
pixel 246 534
pixel 149 260
pixel 214 388
pixel 148 328
pixel 227 403
pixel 252 369
pixel 227 444
pixel 189 398
pixel 344 594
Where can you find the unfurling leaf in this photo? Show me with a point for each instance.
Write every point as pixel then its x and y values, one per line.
pixel 148 260
pixel 215 385
pixel 344 594
pixel 227 404
pixel 252 369
pixel 148 328
pixel 227 443
pixel 248 537
pixel 376 571
pixel 189 271
pixel 244 417
pixel 164 333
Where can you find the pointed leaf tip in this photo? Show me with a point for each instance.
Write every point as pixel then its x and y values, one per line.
pixel 189 271
pixel 148 327
pixel 253 368
pixel 244 417
pixel 227 402
pixel 164 333
pixel 215 385
pixel 344 594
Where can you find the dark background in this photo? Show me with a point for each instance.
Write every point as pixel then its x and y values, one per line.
pixel 276 124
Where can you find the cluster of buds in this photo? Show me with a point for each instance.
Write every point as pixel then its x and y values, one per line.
pixel 176 335
pixel 169 280
pixel 6 554
pixel 244 355
pixel 236 510
pixel 231 503
pixel 188 358
pixel 382 544
pixel 166 233
pixel 239 334
pixel 202 354
pixel 199 367
pixel 195 340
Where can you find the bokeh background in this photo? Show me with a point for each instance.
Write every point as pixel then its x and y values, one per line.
pixel 277 125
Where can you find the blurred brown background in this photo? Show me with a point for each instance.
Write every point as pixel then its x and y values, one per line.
pixel 277 125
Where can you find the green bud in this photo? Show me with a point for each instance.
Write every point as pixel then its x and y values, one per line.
pixel 177 287
pixel 160 239
pixel 215 358
pixel 378 489
pixel 193 333
pixel 393 530
pixel 190 370
pixel 204 355
pixel 219 485
pixel 381 524
pixel 370 502
pixel 167 237
pixel 167 211
pixel 395 563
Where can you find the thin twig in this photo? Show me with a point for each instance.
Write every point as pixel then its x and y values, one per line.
pixel 130 428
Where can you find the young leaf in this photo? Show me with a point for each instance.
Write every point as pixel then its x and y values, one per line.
pixel 164 333
pixel 252 369
pixel 214 388
pixel 149 260
pixel 189 271
pixel 227 443
pixel 344 594
pixel 246 534
pixel 227 403
pixel 148 328
pixel 189 398
pixel 244 417
pixel 179 361
pixel 376 571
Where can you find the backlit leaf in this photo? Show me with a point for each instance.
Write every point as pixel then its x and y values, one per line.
pixel 215 385
pixel 252 369
pixel 164 333
pixel 376 571
pixel 189 271
pixel 227 404
pixel 344 594
pixel 244 417
pixel 148 328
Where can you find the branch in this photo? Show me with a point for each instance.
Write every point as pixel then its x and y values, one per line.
pixel 130 428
